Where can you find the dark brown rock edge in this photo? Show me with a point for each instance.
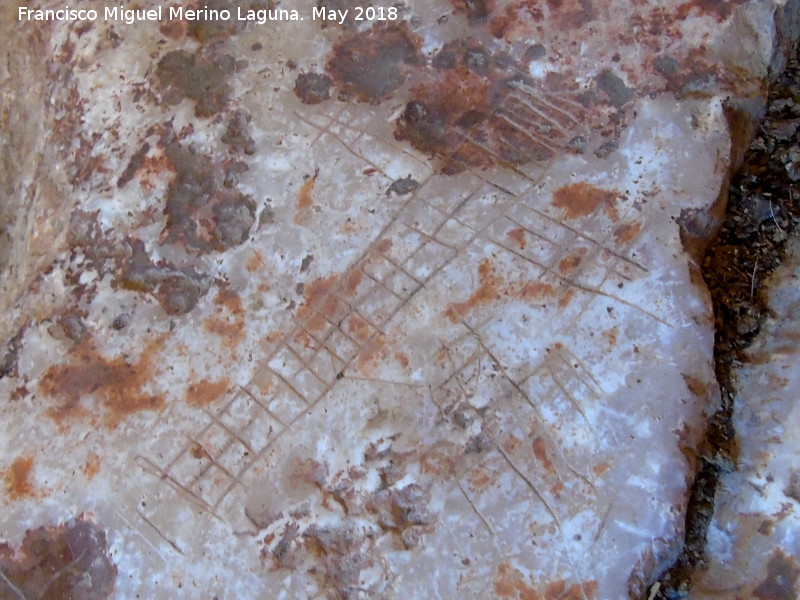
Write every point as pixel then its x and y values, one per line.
pixel 763 210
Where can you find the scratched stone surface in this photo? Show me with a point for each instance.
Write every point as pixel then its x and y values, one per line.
pixel 753 541
pixel 388 310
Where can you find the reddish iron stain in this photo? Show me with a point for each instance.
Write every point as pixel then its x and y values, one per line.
pixel 540 452
pixel 627 232
pixel 440 459
pixel 601 468
pixel 305 199
pixel 205 392
pixel 581 199
pixel 480 479
pixel 359 329
pixel 518 235
pixel 372 352
pixel 402 358
pixel 511 583
pixel 611 335
pixel 566 298
pixel 537 290
pixel 18 478
pixel 116 382
pixel 487 291
pixel 372 64
pixel 228 322
pixel 569 263
pixel 60 562
pixel 92 466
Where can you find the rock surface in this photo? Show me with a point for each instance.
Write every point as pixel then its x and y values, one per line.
pixel 391 309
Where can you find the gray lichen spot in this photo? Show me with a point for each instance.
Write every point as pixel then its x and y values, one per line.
pixel 202 80
pixel 618 93
pixel 313 88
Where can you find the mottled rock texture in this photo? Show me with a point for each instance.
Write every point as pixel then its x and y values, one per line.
pixel 392 309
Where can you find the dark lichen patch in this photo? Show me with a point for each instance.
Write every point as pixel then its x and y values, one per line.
pixel 477 11
pixel 203 80
pixel 216 29
pixel 571 14
pixel 615 89
pixel 313 88
pixel 177 289
pixel 203 212
pixel 484 110
pixel 236 136
pixel 372 64
pixel 781 580
pixel 68 561
pixel 135 163
pixel 402 186
pixel 116 382
pixel 8 365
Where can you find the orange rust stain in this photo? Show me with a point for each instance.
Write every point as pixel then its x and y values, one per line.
pixel 354 280
pixel 305 198
pixel 402 358
pixel 205 392
pixel 92 466
pixel 18 478
pixel 359 328
pixel 540 452
pixel 229 327
pixel 487 291
pixel 503 583
pixel 372 352
pixel 611 335
pixel 564 301
pixel 512 444
pixel 626 232
pixel 581 199
pixel 198 452
pixel 480 479
pixel 526 593
pixel 254 263
pixel 320 299
pixel 601 468
pixel 569 263
pixel 555 590
pixel 518 235
pixel 438 460
pixel 509 583
pixel 116 382
pixel 383 246
pixel 535 289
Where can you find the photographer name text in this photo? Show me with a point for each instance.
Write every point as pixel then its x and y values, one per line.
pixel 178 13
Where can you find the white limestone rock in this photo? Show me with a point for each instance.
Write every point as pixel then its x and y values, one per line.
pixel 387 310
